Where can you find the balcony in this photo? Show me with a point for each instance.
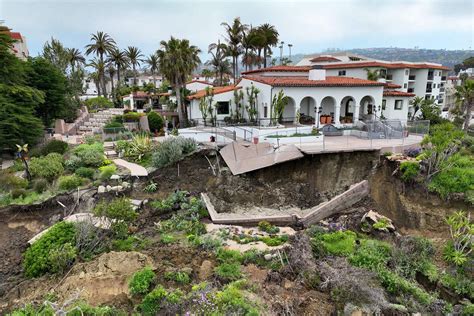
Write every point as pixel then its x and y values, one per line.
pixel 412 78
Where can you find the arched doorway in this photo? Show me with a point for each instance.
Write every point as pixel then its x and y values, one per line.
pixel 289 113
pixel 367 109
pixel 307 114
pixel 347 109
pixel 328 107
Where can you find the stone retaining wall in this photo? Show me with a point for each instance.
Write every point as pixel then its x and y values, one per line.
pixel 336 205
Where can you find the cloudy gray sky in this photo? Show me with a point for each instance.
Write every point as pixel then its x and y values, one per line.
pixel 310 26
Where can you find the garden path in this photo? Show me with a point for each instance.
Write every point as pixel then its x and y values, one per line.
pixel 135 170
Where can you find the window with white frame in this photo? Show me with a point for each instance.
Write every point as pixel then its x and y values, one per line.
pixel 405 85
pixel 407 72
pixel 398 104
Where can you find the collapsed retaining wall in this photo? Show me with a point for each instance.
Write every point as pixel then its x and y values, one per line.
pixel 336 205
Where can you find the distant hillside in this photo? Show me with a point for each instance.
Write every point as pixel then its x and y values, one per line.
pixel 446 57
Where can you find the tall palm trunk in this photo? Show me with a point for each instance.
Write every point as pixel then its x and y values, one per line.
pixel 102 77
pixel 177 90
pixel 134 75
pixel 112 86
pixel 264 57
pixel 118 75
pixel 259 58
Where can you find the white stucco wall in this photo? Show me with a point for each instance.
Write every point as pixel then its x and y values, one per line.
pixel 196 86
pixel 195 113
pixel 391 114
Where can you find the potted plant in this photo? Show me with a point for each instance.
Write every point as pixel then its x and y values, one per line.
pixel 328 119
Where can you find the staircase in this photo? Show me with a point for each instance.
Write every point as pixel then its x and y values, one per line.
pixel 96 121
pixel 109 150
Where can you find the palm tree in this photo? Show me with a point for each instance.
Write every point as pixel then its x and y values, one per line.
pixel 372 75
pixel 177 60
pixel 75 58
pixel 120 60
pixel 235 33
pixel 152 62
pixel 95 77
pixel 416 103
pixel 111 70
pixel 207 73
pixel 101 45
pixel 270 34
pixel 218 61
pixel 133 55
pixel 258 42
pixel 465 98
pixel 99 67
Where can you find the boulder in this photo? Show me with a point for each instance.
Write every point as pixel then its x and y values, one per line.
pixel 108 188
pixel 372 217
pixel 101 189
pixel 115 177
pixel 206 270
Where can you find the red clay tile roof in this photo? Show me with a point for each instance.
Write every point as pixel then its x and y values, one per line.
pixel 163 94
pixel 387 65
pixel 200 81
pixel 216 90
pixel 305 82
pixel 391 85
pixel 16 35
pixel 323 58
pixel 140 94
pixel 279 69
pixel 395 93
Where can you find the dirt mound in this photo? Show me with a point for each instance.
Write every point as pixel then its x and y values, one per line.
pixel 101 281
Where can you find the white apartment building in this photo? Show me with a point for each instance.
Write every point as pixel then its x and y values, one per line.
pixel 19 49
pixel 425 80
pixel 312 93
pixel 144 80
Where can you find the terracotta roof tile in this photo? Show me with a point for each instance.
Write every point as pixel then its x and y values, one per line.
pixel 216 90
pixel 279 69
pixel 16 36
pixel 395 93
pixel 330 81
pixel 387 65
pixel 391 85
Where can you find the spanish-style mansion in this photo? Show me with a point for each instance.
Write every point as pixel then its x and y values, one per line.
pixel 333 89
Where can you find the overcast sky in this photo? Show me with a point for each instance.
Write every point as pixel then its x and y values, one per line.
pixel 311 26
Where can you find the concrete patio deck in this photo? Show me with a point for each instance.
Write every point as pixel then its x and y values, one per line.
pixel 333 144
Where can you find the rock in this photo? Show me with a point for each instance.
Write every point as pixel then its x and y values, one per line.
pixel 206 270
pixel 125 184
pixel 372 217
pixel 268 256
pixel 108 188
pixel 115 188
pixel 114 177
pixel 101 189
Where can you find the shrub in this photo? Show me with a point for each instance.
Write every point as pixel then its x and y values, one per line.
pixel 155 121
pixel 172 150
pixel 178 276
pixel 167 239
pixel 228 256
pixel 73 163
pixel 153 301
pixel 37 259
pixel 54 146
pixel 130 243
pixel 132 117
pixel 98 103
pixel 85 172
pixel 274 241
pixel 40 185
pixel 119 209
pixel 138 147
pixel 387 154
pixel 409 170
pixel 267 227
pixel 458 249
pixel 456 176
pixel 228 271
pixel 151 187
pixel 339 243
pixel 232 301
pixel 461 284
pixel 62 258
pixel 371 254
pixel 106 172
pixel 141 281
pixel 49 167
pixel 9 181
pixel 68 183
pixel 411 255
pixel 17 193
pixel 91 155
pixel 113 127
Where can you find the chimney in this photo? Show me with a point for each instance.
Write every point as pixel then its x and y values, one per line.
pixel 317 72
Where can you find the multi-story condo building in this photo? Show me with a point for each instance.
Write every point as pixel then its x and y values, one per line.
pixel 426 80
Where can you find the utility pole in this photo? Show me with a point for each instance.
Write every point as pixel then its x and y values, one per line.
pixel 281 51
pixel 290 46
